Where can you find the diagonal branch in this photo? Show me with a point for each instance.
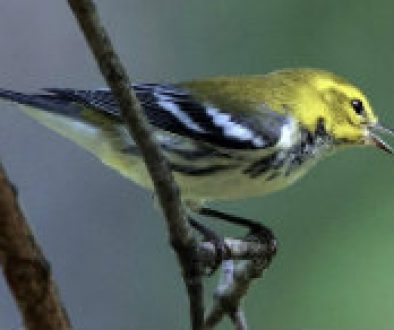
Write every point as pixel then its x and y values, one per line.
pixel 236 279
pixel 25 268
pixel 180 233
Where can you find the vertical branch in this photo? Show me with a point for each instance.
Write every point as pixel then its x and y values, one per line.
pixel 181 237
pixel 25 268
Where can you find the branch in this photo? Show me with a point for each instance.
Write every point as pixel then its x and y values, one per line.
pixel 236 249
pixel 180 233
pixel 235 281
pixel 25 268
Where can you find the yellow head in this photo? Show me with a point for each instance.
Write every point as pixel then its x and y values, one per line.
pixel 321 97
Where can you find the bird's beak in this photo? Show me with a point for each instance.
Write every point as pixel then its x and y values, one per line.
pixel 373 137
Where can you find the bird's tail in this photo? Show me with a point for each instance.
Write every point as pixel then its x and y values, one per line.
pixel 57 113
pixel 97 132
pixel 47 102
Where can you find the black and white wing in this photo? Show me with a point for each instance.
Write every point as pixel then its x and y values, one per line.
pixel 174 109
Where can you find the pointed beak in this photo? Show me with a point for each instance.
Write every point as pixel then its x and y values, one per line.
pixel 373 137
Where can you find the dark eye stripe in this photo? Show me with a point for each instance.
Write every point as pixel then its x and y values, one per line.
pixel 358 106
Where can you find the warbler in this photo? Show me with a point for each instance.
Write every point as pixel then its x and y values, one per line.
pixel 224 137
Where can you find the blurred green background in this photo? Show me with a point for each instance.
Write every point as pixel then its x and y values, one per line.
pixel 106 243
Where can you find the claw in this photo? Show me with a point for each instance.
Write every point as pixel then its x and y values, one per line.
pixel 264 235
pixel 217 241
pixel 221 251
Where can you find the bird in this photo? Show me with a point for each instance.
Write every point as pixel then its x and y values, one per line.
pixel 224 138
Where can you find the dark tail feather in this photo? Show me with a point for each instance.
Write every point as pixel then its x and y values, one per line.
pixel 46 102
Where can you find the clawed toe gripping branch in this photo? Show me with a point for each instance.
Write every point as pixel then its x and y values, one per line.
pixel 242 261
pixel 253 255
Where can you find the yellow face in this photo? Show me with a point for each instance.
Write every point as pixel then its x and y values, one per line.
pixel 348 116
pixel 348 112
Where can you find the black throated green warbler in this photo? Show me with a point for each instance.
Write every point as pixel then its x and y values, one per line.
pixel 224 137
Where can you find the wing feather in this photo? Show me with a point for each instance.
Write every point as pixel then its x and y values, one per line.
pixel 170 108
pixel 174 109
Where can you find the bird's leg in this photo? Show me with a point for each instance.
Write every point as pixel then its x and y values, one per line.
pixel 257 229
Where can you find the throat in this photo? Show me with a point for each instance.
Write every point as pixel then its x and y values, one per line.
pixel 294 161
pixel 310 149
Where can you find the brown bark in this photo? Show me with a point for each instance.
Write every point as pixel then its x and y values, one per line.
pixel 25 268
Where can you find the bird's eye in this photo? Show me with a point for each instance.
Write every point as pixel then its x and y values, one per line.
pixel 357 106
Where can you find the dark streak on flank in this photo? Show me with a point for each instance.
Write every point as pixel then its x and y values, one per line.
pixel 199 171
pixel 190 154
pixel 272 176
pixel 271 162
pixel 184 169
pixel 183 153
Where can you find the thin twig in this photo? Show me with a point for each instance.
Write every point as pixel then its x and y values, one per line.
pixel 233 285
pixel 25 268
pixel 180 233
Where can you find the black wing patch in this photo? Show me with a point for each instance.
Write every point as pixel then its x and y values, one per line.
pixel 170 108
